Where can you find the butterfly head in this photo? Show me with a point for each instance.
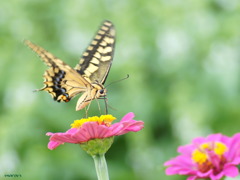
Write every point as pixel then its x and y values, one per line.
pixel 100 90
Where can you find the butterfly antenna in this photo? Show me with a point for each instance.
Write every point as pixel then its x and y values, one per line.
pixel 117 81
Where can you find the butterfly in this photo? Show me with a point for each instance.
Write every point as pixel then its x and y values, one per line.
pixel 63 82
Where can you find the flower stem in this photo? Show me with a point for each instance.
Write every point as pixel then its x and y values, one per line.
pixel 101 166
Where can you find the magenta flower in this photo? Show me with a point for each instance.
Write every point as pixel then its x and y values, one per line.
pixel 212 157
pixel 95 127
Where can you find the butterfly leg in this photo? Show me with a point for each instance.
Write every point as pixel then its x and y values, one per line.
pixel 86 112
pixel 99 106
pixel 87 108
pixel 106 105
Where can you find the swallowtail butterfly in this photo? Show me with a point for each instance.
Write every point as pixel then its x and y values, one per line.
pixel 88 77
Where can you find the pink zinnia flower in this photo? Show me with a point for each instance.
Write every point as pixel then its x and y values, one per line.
pixel 95 127
pixel 212 157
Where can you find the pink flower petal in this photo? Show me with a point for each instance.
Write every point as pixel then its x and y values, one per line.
pixel 192 178
pixel 91 130
pixel 126 124
pixel 128 116
pixel 52 145
pixel 231 171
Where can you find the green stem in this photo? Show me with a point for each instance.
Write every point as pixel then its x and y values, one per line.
pixel 101 166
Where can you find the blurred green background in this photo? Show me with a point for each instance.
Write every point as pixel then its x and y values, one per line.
pixel 183 60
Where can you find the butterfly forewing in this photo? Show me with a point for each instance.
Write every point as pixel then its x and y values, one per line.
pixel 97 59
pixel 60 80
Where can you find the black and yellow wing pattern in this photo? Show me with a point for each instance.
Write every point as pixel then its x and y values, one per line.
pixel 97 59
pixel 88 77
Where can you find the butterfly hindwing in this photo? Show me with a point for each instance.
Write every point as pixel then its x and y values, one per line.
pixel 96 61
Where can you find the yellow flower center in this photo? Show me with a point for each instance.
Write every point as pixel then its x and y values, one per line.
pixel 201 155
pixel 103 119
pixel 220 148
